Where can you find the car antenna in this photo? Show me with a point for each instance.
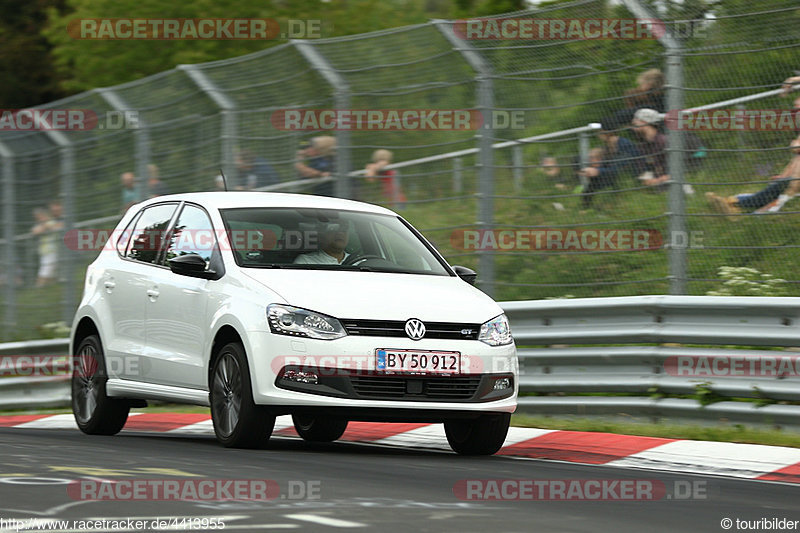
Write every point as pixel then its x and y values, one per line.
pixel 224 181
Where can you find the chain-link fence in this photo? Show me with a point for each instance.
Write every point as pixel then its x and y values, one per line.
pixel 551 193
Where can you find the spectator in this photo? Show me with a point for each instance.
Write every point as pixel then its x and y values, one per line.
pixel 649 93
pixel 653 146
pixel 790 84
pixel 46 230
pixel 650 85
pixel 771 198
pixel 130 195
pixel 155 187
pixel 618 156
pixel 254 172
pixel 317 160
pixel 552 172
pixel 57 213
pixel 389 179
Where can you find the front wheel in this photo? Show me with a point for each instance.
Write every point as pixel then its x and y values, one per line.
pixel 238 421
pixel 318 429
pixel 95 413
pixel 484 435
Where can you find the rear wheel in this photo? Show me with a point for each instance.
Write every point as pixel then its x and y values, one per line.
pixel 484 435
pixel 319 429
pixel 238 421
pixel 95 413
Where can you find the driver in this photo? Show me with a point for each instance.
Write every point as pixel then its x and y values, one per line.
pixel 333 239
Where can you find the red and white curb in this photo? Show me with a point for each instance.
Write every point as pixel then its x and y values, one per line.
pixel 750 461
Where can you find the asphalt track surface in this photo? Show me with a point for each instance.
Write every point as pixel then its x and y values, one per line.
pixel 355 486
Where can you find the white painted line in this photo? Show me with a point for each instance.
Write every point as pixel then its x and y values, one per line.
pixel 718 458
pixel 204 427
pixel 176 528
pixel 283 422
pixel 261 526
pixel 517 435
pixel 430 436
pixel 51 422
pixel 324 520
pixel 54 422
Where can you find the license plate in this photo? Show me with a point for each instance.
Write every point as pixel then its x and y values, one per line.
pixel 390 360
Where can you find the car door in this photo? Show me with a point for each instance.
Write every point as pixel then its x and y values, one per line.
pixel 175 313
pixel 124 284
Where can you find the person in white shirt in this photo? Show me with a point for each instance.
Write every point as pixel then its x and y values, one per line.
pixel 333 239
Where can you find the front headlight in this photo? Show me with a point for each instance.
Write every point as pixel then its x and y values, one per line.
pixel 297 322
pixel 496 332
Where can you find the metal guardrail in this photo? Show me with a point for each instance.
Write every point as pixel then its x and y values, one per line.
pixel 33 383
pixel 565 376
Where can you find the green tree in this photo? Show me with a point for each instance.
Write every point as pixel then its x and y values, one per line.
pixel 28 74
pixel 85 64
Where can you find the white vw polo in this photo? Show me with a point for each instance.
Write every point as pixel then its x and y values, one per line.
pixel 264 304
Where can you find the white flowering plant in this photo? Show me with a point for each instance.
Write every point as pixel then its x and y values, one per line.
pixel 746 281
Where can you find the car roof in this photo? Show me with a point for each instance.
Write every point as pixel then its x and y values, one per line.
pixel 238 199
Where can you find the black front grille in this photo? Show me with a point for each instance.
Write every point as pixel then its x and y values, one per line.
pixel 396 328
pixel 416 388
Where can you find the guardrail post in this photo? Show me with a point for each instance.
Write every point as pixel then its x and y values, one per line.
pixel 9 221
pixel 341 101
pixel 485 137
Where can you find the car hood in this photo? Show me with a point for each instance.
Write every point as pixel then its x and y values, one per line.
pixel 380 295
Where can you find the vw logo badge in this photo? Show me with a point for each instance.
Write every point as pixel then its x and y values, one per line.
pixel 415 329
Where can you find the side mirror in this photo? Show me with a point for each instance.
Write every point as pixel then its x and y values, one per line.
pixel 191 265
pixel 466 274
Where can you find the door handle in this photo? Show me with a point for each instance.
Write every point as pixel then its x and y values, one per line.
pixel 152 294
pixel 109 284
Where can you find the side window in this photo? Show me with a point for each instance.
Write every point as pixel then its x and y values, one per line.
pixel 125 237
pixel 148 233
pixel 193 234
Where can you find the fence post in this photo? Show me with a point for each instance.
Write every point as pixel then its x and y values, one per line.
pixel 66 152
pixel 9 221
pixel 458 178
pixel 341 101
pixel 141 140
pixel 228 115
pixel 66 258
pixel 485 103
pixel 676 161
pixel 583 155
pixel 518 164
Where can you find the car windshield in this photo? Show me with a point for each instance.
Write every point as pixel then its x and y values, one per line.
pixel 326 239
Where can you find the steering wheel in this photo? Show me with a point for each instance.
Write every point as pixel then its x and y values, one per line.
pixel 353 259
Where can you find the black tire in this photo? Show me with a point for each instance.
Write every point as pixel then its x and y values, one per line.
pixel 95 413
pixel 484 435
pixel 238 421
pixel 318 429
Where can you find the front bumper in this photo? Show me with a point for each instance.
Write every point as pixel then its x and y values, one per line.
pixel 269 354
